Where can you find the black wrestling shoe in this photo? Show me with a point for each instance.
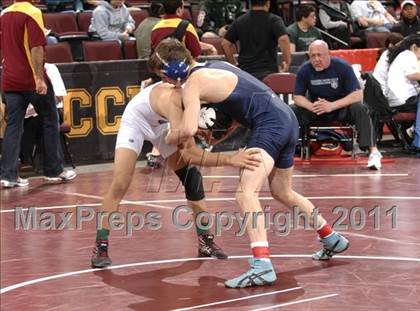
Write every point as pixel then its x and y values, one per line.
pixel 154 161
pixel 208 248
pixel 100 257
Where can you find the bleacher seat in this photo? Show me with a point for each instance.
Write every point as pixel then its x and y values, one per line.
pixel 62 24
pixel 101 50
pixel 64 27
pixel 58 53
pixel 376 39
pixel 130 49
pixel 139 16
pixel 83 20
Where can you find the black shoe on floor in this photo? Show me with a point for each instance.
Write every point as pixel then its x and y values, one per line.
pixel 208 248
pixel 100 257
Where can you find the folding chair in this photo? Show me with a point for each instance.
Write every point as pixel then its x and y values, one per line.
pixel 283 84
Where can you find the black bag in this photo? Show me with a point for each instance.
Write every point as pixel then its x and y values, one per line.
pixel 180 31
pixel 333 136
pixel 377 103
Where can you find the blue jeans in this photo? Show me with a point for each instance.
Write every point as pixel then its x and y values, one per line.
pixel 16 104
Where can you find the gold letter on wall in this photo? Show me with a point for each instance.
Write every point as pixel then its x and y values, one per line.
pixel 83 126
pixel 102 114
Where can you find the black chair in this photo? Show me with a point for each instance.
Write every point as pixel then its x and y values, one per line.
pixel 381 113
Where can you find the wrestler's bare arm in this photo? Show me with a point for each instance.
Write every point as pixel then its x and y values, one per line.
pixel 248 159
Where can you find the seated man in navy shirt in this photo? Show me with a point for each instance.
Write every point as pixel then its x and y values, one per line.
pixel 333 94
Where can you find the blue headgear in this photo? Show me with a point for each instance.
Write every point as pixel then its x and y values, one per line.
pixel 175 69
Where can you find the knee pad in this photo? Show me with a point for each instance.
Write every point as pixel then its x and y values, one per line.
pixel 192 181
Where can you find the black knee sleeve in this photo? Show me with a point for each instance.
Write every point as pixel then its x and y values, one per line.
pixel 192 181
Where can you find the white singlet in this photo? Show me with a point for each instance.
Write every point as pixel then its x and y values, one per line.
pixel 139 123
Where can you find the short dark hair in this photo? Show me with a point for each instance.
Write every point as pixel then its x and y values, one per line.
pixel 304 11
pixel 156 9
pixel 259 2
pixel 171 6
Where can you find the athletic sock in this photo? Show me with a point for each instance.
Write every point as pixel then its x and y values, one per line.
pixel 102 234
pixel 201 231
pixel 325 231
pixel 260 250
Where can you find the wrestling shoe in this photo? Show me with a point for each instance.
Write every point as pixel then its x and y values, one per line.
pixel 261 273
pixel 208 248
pixel 334 244
pixel 100 257
pixel 154 161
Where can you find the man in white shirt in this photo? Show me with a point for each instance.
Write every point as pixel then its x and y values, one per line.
pixel 335 23
pixel 372 16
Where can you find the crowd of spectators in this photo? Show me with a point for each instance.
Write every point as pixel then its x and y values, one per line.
pixel 341 23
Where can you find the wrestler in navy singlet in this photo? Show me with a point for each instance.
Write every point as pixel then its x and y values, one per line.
pixel 253 104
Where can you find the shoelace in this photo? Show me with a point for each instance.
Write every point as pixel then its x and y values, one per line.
pixel 101 249
pixel 209 241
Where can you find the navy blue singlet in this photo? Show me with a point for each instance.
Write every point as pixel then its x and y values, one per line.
pixel 253 104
